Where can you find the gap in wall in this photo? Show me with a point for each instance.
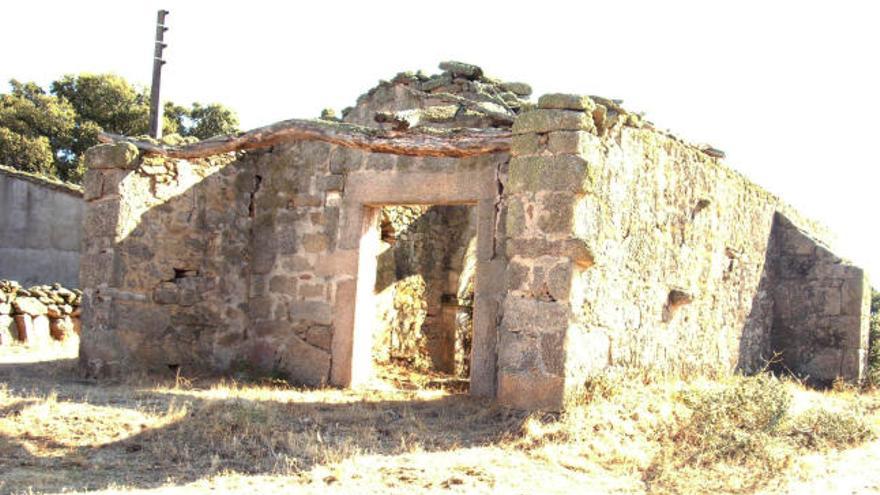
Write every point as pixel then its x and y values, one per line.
pixel 424 295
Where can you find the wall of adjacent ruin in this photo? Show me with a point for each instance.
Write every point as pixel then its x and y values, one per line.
pixel 39 229
pixel 819 308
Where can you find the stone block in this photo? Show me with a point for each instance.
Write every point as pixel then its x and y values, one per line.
pixel 29 305
pixel 570 142
pixel 562 101
pixel 340 262
pixel 317 312
pixel 851 295
pixel 558 279
pixel 331 182
pixel 830 301
pixel 260 308
pixel 312 291
pixel 315 243
pixel 93 181
pixel 61 328
pixel 548 173
pixel 462 70
pixel 24 327
pixel 343 160
pixel 34 331
pixel 543 120
pixel 556 213
pixel 116 155
pixel 166 293
pixel 531 317
pixel 531 391
pixel 526 144
pixel 304 363
pixel 320 336
pixel 281 284
pixel 381 161
pixel 306 200
pixel 825 365
pixel 553 352
pixel 574 249
pixel 101 218
pixel 315 152
pixel 517 88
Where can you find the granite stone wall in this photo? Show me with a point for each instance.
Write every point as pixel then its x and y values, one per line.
pixel 636 249
pixel 601 242
pixel 230 264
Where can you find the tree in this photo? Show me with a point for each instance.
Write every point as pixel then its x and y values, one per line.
pixel 201 121
pixel 33 126
pixel 48 133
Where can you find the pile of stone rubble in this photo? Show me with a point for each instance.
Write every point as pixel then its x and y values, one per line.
pixel 38 314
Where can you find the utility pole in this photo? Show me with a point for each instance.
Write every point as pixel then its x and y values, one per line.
pixel 155 104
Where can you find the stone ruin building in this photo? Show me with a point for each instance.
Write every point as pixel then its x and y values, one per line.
pixel 450 223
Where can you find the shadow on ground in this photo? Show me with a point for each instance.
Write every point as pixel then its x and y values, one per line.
pixel 155 433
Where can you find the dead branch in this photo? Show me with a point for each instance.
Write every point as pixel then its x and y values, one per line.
pixel 421 142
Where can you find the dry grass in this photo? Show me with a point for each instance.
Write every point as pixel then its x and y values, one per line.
pixel 631 436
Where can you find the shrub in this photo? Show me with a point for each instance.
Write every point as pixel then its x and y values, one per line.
pixel 822 429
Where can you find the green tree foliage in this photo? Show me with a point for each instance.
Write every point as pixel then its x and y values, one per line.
pixel 874 341
pixel 48 132
pixel 33 125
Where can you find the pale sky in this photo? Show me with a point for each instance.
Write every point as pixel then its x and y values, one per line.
pixel 789 90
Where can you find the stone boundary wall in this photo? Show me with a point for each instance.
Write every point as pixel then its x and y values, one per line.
pixel 40 229
pixel 38 315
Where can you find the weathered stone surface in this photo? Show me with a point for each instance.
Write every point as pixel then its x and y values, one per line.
pixel 344 160
pixel 24 328
pixel 331 182
pixel 312 311
pixel 525 144
pixel 461 69
pixel 542 173
pixel 304 363
pixel 553 120
pixel 117 155
pixel 518 88
pixel 562 101
pixel 29 305
pixel 61 328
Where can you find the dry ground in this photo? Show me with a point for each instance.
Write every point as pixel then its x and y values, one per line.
pixel 167 435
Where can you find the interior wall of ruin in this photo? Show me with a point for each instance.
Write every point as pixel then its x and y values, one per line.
pixel 425 286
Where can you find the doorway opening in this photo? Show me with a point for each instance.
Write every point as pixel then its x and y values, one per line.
pixel 426 264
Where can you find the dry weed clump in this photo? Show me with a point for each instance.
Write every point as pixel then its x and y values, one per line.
pixel 731 435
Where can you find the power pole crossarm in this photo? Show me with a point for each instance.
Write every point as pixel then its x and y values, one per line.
pixel 158 62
